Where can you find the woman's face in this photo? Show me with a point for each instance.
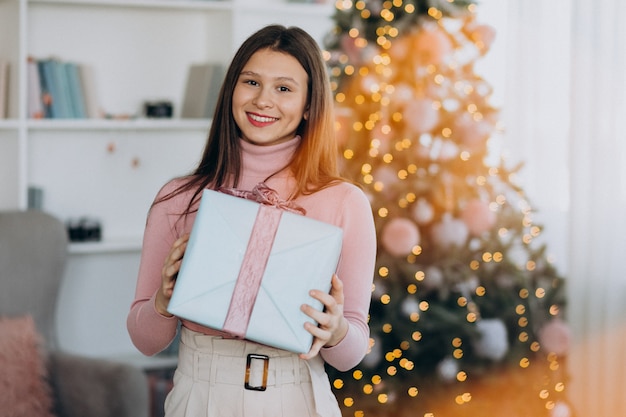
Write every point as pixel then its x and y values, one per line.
pixel 270 98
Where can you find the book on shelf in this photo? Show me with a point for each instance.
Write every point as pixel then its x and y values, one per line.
pixel 204 82
pixel 75 90
pixel 34 101
pixel 61 89
pixel 90 96
pixel 4 88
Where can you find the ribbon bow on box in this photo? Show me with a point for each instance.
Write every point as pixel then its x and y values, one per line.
pixel 263 194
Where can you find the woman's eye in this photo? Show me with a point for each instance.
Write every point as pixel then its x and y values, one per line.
pixel 250 82
pixel 283 89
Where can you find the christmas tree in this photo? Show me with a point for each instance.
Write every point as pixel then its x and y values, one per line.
pixel 467 310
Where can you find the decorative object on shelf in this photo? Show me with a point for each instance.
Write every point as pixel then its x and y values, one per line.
pixel 465 294
pixel 4 88
pixel 35 198
pixel 203 85
pixel 162 109
pixel 84 229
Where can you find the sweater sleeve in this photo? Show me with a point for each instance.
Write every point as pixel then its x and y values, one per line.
pixel 356 271
pixel 150 331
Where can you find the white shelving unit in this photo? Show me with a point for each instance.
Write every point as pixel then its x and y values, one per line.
pixel 111 169
pixel 140 51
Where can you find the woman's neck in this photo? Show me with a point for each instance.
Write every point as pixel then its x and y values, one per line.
pixel 261 162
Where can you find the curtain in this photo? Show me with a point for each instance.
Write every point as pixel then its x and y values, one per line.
pixel 559 72
pixel 597 249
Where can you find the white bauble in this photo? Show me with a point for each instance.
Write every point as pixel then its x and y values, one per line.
pixel 374 356
pixel 410 305
pixel 433 278
pixel 447 369
pixel 561 410
pixel 450 232
pixel 493 343
pixel 423 211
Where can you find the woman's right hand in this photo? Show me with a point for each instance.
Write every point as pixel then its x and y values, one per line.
pixel 169 274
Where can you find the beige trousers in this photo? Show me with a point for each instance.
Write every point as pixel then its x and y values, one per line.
pixel 219 377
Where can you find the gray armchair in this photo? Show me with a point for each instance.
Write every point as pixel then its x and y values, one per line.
pixel 33 255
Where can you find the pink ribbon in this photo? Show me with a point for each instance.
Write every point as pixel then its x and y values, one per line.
pixel 263 194
pixel 257 254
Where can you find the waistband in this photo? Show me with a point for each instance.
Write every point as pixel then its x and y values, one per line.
pixel 217 360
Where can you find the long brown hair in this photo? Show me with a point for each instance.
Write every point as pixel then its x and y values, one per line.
pixel 314 164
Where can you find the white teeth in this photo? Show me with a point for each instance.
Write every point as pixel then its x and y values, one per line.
pixel 262 119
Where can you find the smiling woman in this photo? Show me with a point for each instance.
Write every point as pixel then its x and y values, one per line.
pixel 273 130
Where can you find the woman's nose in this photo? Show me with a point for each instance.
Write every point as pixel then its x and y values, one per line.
pixel 263 99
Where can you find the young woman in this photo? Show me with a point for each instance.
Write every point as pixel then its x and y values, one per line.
pixel 273 124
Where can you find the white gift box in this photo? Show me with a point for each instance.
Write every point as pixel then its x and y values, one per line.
pixel 248 268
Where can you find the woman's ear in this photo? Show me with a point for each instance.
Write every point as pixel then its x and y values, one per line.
pixel 305 116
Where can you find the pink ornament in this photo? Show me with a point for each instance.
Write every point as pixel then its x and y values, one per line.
pixel 400 48
pixel 483 36
pixel 421 116
pixel 478 217
pixel 471 133
pixel 450 232
pixel 399 236
pixel 382 131
pixel 554 337
pixel 432 45
pixel 386 176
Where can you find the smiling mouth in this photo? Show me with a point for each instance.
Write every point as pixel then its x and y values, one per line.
pixel 261 119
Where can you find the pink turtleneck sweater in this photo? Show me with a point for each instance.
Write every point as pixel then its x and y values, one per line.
pixel 343 205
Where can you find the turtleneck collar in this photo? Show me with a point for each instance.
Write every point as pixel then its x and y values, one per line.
pixel 259 162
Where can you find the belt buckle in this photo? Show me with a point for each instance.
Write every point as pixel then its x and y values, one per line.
pixel 266 361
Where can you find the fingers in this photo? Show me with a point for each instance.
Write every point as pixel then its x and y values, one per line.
pixel 315 349
pixel 174 259
pixel 331 301
pixel 332 325
pixel 171 266
pixel 336 290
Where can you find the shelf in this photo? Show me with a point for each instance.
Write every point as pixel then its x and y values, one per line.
pixel 152 4
pixel 308 9
pixel 9 124
pixel 105 246
pixel 129 125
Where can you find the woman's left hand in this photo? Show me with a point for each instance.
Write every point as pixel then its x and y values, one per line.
pixel 332 325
